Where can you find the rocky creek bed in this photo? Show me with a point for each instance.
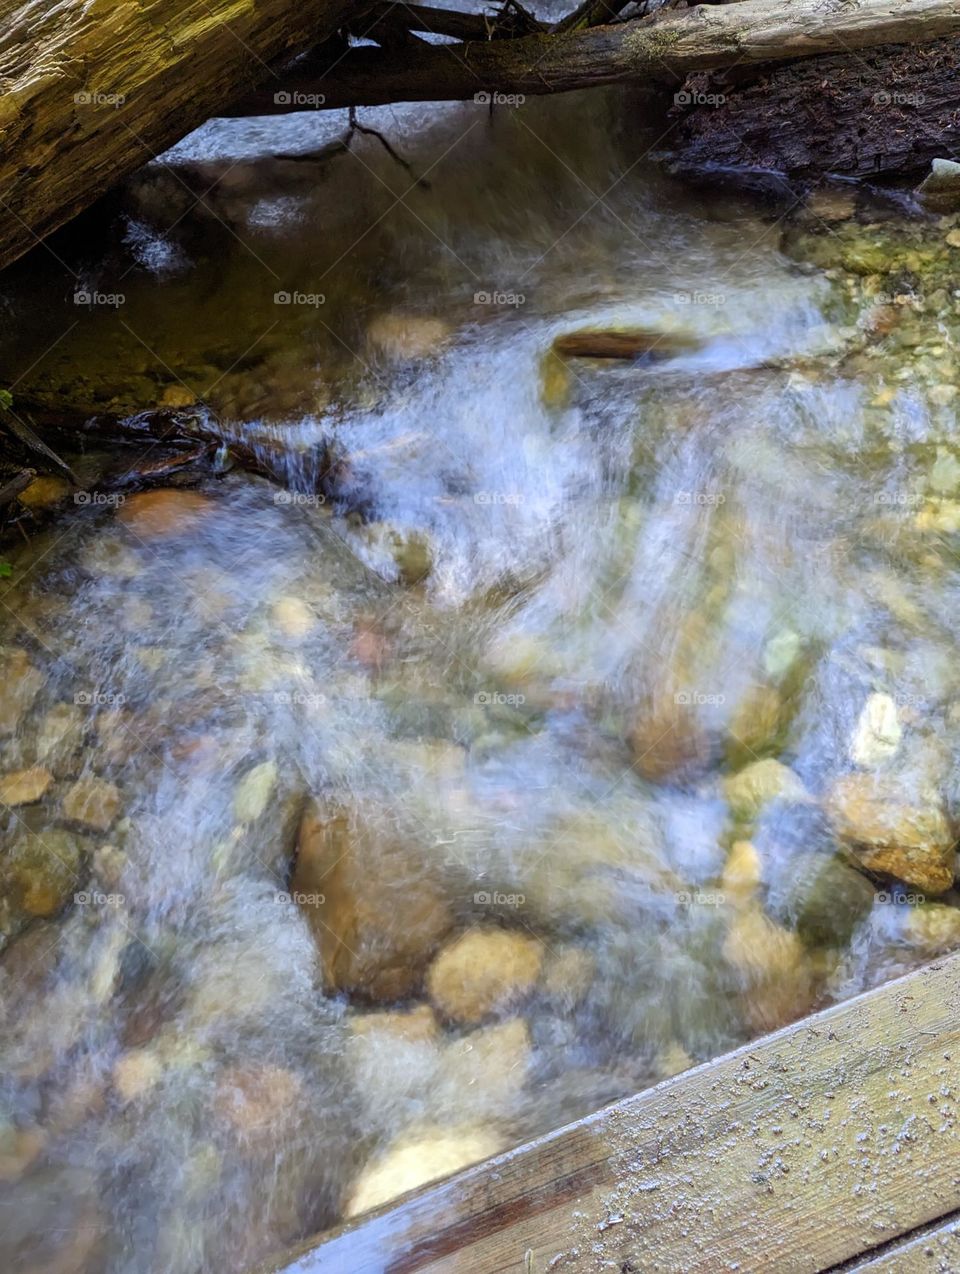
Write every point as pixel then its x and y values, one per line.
pixel 341 850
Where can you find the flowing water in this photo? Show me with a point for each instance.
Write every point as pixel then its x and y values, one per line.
pixel 596 677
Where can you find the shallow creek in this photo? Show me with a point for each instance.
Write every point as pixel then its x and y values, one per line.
pixel 615 710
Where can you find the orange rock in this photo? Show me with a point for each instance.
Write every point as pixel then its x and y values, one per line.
pixel 22 787
pixel 891 832
pixel 164 512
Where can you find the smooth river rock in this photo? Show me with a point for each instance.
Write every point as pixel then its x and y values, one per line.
pixel 483 971
pixel 892 833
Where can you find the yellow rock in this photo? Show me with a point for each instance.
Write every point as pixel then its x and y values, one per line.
pixel 177 396
pixel 777 981
pixel 44 493
pixel 483 971
pixel 92 802
pixel 891 833
pixel 135 1073
pixel 407 336
pixel 419 1156
pixel 751 789
pixel 23 787
pixel 741 875
pixel 292 617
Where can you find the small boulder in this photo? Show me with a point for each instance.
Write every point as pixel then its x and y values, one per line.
pixel 292 618
pixel 891 833
pixel 483 971
pixel 38 876
pixel 669 739
pixel 377 912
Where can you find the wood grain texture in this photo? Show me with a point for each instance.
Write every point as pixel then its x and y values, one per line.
pixel 824 1141
pixel 707 37
pixel 92 89
pixel 933 1251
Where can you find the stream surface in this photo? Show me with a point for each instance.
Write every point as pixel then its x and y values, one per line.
pixel 608 670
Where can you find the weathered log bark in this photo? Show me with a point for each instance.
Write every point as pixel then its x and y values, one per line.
pixel 890 110
pixel 707 37
pixel 92 89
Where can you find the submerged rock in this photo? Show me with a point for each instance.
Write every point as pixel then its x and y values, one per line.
pixel 776 979
pixel 155 514
pixel 419 1156
pixel 45 492
pixel 92 803
pixel 403 337
pixel 23 787
pixel 940 189
pixel 38 877
pixel 763 781
pixel 890 832
pixel 483 971
pixel 670 740
pixel 376 912
pixel 878 732
pixel 20 684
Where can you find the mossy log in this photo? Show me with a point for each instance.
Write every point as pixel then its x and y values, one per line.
pixel 92 89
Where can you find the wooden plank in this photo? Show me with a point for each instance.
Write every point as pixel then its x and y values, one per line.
pixel 823 1141
pixel 932 1251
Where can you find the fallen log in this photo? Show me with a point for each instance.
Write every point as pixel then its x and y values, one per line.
pixel 890 110
pixel 92 89
pixel 708 37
